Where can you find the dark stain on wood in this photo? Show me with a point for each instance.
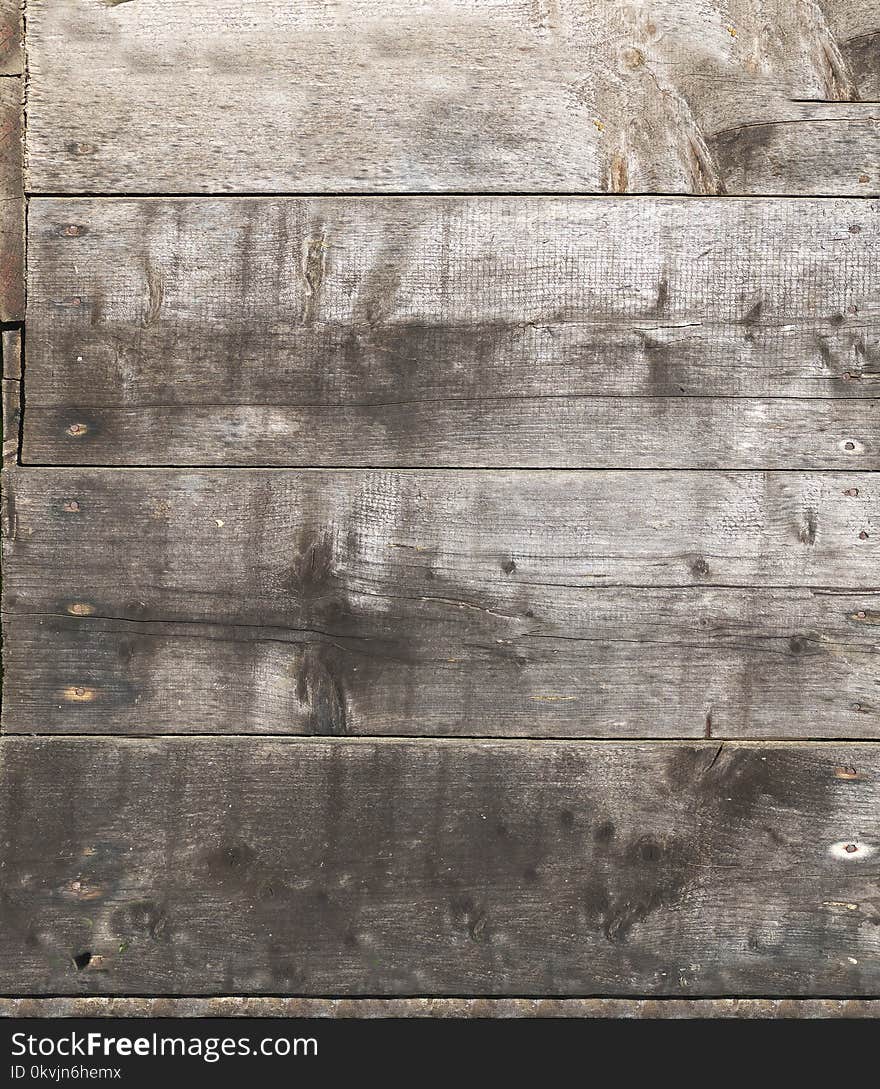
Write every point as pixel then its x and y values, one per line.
pixel 498 867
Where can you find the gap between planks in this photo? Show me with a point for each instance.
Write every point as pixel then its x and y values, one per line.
pixel 450 194
pixel 385 468
pixel 717 743
pixel 672 1001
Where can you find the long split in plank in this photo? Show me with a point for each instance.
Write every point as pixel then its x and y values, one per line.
pixel 442 602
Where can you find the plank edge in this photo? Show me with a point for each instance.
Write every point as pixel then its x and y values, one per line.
pixel 441 1008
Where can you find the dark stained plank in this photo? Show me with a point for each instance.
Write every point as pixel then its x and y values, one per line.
pixel 854 26
pixel 836 149
pixel 458 331
pixel 448 95
pixel 460 602
pixel 306 867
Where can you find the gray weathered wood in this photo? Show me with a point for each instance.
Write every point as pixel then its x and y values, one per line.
pixel 411 867
pixel 12 275
pixel 10 38
pixel 855 26
pixel 454 331
pixel 468 95
pixel 236 1006
pixel 11 394
pixel 518 603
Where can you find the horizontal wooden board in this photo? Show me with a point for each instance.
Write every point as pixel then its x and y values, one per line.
pixel 460 602
pixel 347 867
pixel 653 1009
pixel 454 331
pixel 452 95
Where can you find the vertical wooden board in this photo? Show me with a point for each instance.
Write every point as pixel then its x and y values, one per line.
pixel 11 349
pixel 240 866
pixel 12 272
pixel 11 53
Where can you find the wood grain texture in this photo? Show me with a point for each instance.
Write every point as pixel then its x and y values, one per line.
pixel 452 95
pixel 853 25
pixel 454 331
pixel 12 220
pixel 11 394
pixel 654 1009
pixel 461 602
pixel 394 867
pixel 11 54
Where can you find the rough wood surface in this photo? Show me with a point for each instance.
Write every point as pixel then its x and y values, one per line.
pixel 443 331
pixel 453 95
pixel 654 1009
pixel 12 274
pixel 460 602
pixel 11 394
pixel 10 38
pixel 411 867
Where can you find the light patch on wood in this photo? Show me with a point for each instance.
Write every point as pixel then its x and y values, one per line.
pixel 81 608
pixel 79 694
pixel 851 850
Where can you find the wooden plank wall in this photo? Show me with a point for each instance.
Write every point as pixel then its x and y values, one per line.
pixel 440 508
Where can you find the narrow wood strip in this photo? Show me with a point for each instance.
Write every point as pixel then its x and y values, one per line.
pixel 438 868
pixel 739 1008
pixel 11 53
pixel 11 348
pixel 12 274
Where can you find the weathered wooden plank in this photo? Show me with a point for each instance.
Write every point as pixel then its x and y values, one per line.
pixel 854 25
pixel 11 394
pixel 519 331
pixel 658 1008
pixel 526 432
pixel 519 603
pixel 411 867
pixel 835 150
pixel 492 95
pixel 12 274
pixel 11 58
